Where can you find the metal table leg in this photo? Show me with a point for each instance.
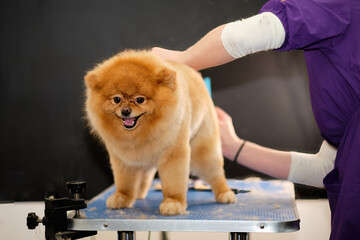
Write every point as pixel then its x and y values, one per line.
pixel 126 235
pixel 239 236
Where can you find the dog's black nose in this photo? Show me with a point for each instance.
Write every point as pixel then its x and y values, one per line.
pixel 125 111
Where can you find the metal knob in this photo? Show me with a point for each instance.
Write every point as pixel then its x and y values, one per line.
pixel 76 188
pixel 32 220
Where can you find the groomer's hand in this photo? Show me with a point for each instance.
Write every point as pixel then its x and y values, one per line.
pixel 230 142
pixel 172 55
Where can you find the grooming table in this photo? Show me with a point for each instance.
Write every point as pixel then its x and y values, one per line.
pixel 269 206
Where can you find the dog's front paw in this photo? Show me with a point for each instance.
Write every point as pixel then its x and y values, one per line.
pixel 171 207
pixel 119 200
pixel 226 197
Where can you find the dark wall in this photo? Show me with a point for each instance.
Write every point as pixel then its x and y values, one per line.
pixel 47 46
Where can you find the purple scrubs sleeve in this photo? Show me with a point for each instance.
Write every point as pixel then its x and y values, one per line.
pixel 329 33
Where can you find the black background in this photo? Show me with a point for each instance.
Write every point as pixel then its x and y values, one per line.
pixel 47 46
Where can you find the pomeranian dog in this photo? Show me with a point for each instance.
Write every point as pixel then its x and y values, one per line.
pixel 155 115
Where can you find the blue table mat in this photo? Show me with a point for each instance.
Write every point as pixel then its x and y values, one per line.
pixel 267 201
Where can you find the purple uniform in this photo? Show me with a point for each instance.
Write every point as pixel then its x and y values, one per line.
pixel 329 33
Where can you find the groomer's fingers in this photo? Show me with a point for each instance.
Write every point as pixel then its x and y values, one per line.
pixel 219 112
pixel 222 115
pixel 167 54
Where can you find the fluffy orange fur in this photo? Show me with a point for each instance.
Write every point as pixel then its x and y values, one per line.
pixel 155 115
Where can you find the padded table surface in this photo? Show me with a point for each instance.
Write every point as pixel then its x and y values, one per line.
pixel 268 207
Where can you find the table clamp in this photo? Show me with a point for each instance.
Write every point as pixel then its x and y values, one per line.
pixel 56 219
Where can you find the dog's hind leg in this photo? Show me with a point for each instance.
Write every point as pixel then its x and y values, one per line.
pixel 207 163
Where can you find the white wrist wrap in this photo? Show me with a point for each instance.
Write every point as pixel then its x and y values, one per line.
pixel 258 33
pixel 310 169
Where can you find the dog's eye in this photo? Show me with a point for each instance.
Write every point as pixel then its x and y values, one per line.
pixel 116 100
pixel 140 100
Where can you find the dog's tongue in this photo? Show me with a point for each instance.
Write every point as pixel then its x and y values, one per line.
pixel 129 121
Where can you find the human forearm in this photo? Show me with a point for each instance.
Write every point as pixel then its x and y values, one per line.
pixel 227 42
pixel 208 52
pixel 272 162
pixel 304 168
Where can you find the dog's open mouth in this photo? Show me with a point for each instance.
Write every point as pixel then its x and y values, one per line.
pixel 130 123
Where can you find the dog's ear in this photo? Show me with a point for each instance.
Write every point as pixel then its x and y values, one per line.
pixel 92 81
pixel 167 77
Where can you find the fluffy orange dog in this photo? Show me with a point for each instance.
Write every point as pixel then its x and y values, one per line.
pixel 153 115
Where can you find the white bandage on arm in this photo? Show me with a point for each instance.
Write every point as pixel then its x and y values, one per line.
pixel 310 169
pixel 258 33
